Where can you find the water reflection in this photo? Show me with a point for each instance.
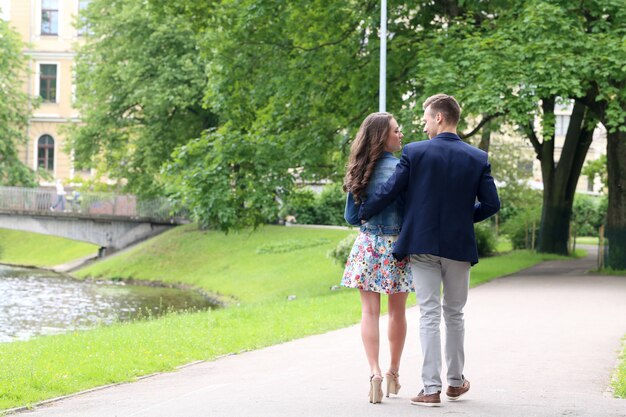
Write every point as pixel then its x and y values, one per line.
pixel 36 302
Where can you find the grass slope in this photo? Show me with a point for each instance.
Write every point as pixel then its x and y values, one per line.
pixel 25 248
pixel 271 263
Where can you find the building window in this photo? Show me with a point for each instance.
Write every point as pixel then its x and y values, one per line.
pixel 562 123
pixel 83 25
pixel 48 82
pixel 45 152
pixel 49 17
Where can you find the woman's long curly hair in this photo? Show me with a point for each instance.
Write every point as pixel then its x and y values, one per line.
pixel 367 148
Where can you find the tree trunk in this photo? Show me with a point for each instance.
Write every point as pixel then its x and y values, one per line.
pixel 616 215
pixel 559 180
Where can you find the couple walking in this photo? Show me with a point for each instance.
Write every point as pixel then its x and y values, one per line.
pixel 416 219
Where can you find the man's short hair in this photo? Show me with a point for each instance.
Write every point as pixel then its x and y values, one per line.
pixel 446 105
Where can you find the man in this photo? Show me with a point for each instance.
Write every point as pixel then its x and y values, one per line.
pixel 448 187
pixel 60 197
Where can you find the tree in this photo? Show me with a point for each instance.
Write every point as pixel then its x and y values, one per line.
pixel 15 107
pixel 288 101
pixel 607 100
pixel 515 62
pixel 141 82
pixel 506 61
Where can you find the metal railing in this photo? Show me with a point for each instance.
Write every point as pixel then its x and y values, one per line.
pixel 90 203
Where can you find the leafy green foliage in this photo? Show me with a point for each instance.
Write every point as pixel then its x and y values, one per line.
pixel 485 238
pixel 341 252
pixel 15 108
pixel 307 207
pixel 588 214
pixel 301 205
pixel 140 83
pixel 597 168
pixel 508 163
pixel 229 180
pixel 523 226
pixel 302 75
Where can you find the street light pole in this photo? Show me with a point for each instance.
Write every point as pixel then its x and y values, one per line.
pixel 382 91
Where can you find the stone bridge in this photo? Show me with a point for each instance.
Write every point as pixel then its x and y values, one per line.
pixel 107 220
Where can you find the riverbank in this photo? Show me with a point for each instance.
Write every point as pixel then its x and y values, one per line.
pixel 33 249
pixel 278 282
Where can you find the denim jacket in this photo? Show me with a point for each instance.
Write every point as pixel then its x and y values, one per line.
pixel 388 221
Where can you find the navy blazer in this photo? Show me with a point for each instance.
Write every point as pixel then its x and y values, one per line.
pixel 449 187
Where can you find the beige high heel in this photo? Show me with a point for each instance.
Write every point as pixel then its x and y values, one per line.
pixel 376 390
pixel 393 383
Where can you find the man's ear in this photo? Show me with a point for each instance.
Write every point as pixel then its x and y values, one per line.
pixel 439 117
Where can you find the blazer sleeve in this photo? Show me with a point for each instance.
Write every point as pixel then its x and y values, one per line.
pixel 488 202
pixel 387 192
pixel 351 213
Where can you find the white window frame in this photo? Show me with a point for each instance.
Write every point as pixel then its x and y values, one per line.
pixel 36 152
pixel 38 7
pixel 58 82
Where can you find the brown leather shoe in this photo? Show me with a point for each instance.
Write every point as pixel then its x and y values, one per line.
pixel 427 400
pixel 454 393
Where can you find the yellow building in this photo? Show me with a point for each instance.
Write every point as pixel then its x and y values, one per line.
pixel 49 28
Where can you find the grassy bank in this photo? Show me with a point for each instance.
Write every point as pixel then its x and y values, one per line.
pixel 25 248
pixel 619 381
pixel 250 267
pixel 255 271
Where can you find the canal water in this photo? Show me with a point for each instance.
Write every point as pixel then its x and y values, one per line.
pixel 36 302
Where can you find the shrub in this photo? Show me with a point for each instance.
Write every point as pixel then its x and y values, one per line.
pixel 516 199
pixel 310 208
pixel 300 204
pixel 342 250
pixel 485 238
pixel 519 228
pixel 330 205
pixel 588 213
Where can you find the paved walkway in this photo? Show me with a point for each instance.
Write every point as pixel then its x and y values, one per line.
pixel 543 342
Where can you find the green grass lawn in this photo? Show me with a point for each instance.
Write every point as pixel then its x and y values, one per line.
pixel 503 244
pixel 619 381
pixel 25 248
pixel 255 272
pixel 610 271
pixel 269 264
pixel 586 240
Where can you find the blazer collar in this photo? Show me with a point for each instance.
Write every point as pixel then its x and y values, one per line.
pixel 447 135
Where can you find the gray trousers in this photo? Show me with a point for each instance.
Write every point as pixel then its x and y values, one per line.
pixel 429 273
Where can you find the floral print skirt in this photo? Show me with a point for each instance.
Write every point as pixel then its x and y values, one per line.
pixel 372 267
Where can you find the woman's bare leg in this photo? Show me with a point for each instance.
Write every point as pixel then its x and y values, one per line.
pixel 397 328
pixel 370 314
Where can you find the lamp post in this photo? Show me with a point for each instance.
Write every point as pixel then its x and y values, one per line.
pixel 382 89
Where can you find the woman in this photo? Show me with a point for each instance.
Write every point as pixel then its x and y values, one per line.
pixel 371 266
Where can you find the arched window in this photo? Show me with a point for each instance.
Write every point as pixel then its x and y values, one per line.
pixel 45 152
